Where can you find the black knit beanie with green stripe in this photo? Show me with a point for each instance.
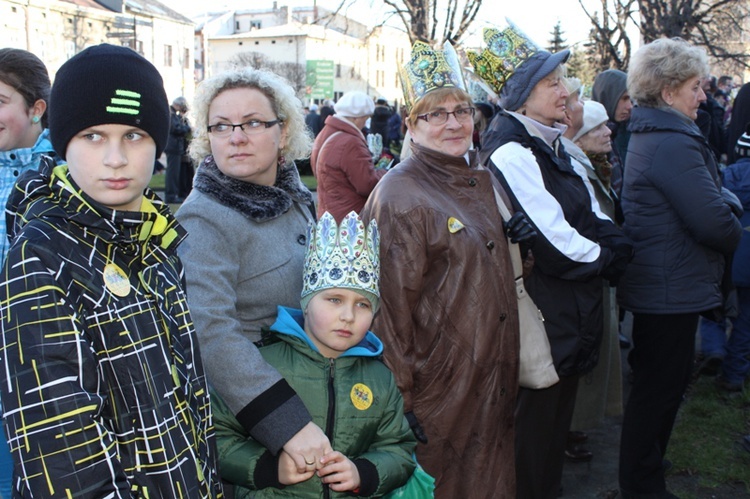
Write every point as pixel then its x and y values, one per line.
pixel 107 84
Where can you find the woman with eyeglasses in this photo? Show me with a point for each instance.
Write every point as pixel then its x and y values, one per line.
pixel 449 317
pixel 247 219
pixel 574 251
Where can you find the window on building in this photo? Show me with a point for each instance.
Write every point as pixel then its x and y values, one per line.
pixel 186 59
pixel 397 80
pixel 168 55
pixel 13 10
pixel 338 70
pixel 136 45
pixel 70 49
pixel 237 26
pixel 377 52
pixel 255 24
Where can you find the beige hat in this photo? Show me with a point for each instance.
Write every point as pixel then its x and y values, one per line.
pixel 594 115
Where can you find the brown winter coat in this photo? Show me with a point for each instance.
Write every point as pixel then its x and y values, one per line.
pixel 449 320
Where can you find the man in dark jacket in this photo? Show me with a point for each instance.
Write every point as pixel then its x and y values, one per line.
pixel 379 121
pixel 313 120
pixel 179 128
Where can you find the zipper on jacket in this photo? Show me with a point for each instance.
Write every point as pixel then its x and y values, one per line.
pixel 331 413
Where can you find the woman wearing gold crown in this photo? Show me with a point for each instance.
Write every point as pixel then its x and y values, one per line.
pixel 574 250
pixel 449 319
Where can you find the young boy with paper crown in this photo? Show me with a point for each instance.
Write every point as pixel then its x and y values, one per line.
pixel 103 388
pixel 326 353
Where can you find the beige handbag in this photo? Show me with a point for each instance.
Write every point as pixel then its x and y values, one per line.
pixel 536 369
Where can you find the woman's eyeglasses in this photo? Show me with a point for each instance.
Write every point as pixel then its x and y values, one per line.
pixel 252 127
pixel 462 115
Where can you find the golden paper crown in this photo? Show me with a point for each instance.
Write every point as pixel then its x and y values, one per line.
pixel 505 51
pixel 430 69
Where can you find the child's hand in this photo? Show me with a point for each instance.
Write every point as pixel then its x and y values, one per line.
pixel 339 472
pixel 288 474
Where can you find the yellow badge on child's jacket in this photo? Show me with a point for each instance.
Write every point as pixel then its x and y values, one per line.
pixel 361 396
pixel 116 280
pixel 454 225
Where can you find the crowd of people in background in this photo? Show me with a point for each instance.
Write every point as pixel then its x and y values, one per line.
pixel 265 341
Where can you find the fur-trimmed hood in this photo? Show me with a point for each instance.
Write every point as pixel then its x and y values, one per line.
pixel 256 202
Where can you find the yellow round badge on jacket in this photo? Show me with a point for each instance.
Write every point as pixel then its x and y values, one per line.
pixel 116 280
pixel 361 396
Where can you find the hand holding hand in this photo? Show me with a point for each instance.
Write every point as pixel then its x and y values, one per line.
pixel 288 473
pixel 339 472
pixel 307 447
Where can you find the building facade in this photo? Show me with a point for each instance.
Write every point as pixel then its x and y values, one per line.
pixel 321 53
pixel 55 30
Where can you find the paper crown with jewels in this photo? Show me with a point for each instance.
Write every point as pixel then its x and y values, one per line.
pixel 342 256
pixel 505 51
pixel 429 69
pixel 512 64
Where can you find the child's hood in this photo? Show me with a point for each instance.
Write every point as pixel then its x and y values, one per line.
pixel 290 322
pixel 49 193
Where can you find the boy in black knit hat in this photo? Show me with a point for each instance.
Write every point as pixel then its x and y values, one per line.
pixel 104 391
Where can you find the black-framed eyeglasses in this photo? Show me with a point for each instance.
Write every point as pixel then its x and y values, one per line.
pixel 251 127
pixel 462 115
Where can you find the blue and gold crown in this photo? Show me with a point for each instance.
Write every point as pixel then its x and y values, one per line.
pixel 343 256
pixel 429 69
pixel 505 51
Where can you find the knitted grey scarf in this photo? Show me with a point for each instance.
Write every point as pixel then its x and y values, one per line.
pixel 256 202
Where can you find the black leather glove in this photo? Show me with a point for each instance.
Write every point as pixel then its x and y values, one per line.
pixel 520 230
pixel 416 428
pixel 731 200
pixel 622 256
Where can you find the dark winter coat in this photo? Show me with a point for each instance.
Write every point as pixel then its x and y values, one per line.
pixel 104 392
pixel 573 247
pixel 737 179
pixel 675 215
pixel 354 398
pixel 379 121
pixel 179 128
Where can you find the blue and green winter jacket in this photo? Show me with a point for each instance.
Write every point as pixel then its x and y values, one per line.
pixel 353 398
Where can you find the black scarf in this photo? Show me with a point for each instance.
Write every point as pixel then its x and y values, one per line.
pixel 256 202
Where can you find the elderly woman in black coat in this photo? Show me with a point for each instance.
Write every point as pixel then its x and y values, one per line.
pixel 682 228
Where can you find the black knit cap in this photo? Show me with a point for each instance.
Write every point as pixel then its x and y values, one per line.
pixel 103 85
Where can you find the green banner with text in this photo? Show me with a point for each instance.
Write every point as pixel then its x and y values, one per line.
pixel 319 79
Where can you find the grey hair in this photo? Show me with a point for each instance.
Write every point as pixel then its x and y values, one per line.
pixel 285 104
pixel 665 63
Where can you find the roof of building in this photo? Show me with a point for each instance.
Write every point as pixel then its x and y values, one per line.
pixel 154 7
pixel 86 3
pixel 293 28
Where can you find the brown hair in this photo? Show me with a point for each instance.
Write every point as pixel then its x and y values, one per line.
pixel 432 99
pixel 26 73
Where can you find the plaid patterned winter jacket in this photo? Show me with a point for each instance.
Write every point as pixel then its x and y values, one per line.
pixel 103 387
